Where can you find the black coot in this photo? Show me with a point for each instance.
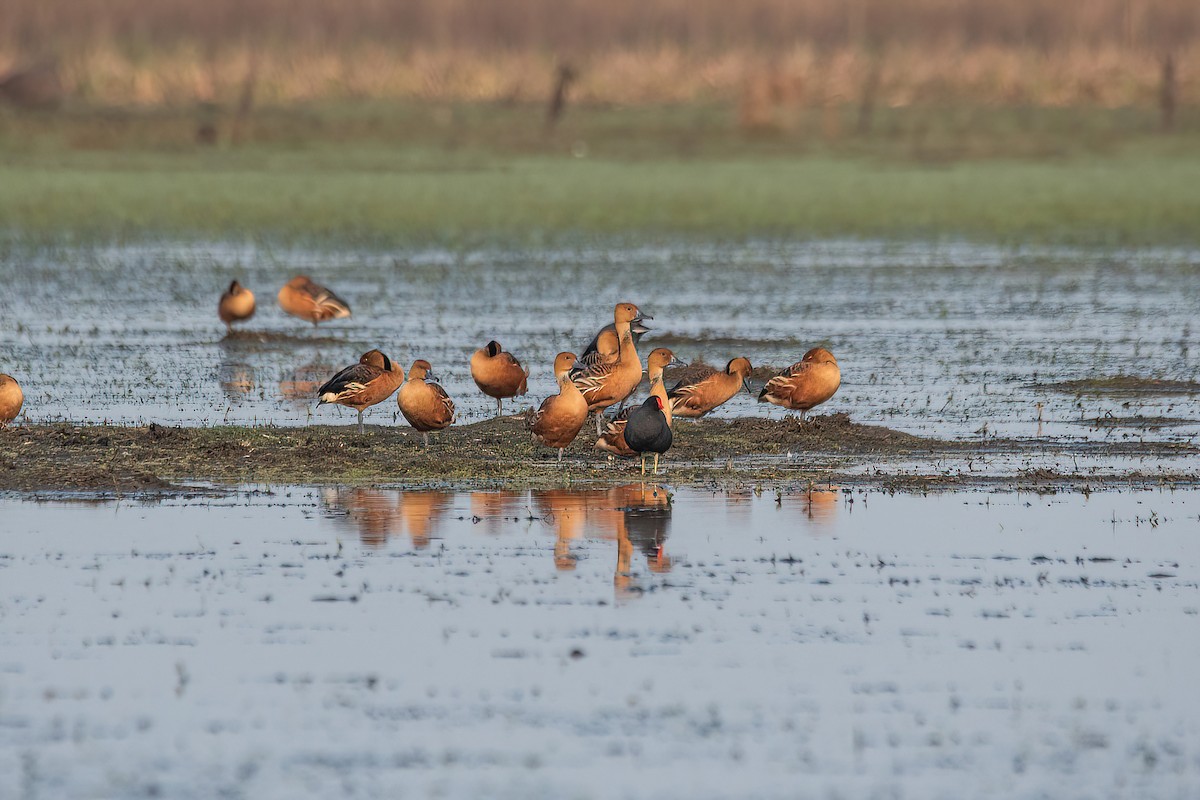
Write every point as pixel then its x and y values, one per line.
pixel 647 431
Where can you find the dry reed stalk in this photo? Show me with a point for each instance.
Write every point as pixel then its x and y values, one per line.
pixel 1106 76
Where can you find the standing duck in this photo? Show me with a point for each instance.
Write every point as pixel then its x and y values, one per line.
pixel 606 345
pixel 613 437
pixel 648 430
pixel 604 385
pixel 302 298
pixel 498 374
pixel 425 405
pixel 699 394
pixel 237 305
pixel 809 382
pixel 359 386
pixel 11 399
pixel 557 421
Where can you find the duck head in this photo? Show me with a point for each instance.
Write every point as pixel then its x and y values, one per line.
pixel 628 312
pixel 563 364
pixel 421 370
pixel 741 367
pixel 493 348
pixel 376 358
pixel 661 358
pixel 819 355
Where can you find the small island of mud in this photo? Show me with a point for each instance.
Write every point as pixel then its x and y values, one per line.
pixel 786 454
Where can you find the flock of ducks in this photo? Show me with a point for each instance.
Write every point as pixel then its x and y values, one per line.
pixel 605 376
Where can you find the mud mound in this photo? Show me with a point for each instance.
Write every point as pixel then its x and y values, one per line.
pixel 1119 386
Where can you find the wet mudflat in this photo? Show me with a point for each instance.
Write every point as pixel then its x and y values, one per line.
pixel 947 340
pixel 782 454
pixel 627 641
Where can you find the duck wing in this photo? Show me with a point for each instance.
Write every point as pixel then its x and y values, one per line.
pixel 593 379
pixel 445 400
pixel 353 378
pixel 326 300
pixel 687 385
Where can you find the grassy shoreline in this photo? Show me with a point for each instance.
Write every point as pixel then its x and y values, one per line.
pixel 1124 201
pixel 382 174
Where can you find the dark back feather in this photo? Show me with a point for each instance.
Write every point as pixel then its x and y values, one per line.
pixel 647 430
pixel 355 373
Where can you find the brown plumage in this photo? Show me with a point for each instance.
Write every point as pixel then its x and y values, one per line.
pixel 606 345
pixel 424 404
pixel 11 399
pixel 359 386
pixel 237 305
pixel 604 385
pixel 613 437
pixel 699 394
pixel 498 374
pixel 302 298
pixel 809 382
pixel 557 421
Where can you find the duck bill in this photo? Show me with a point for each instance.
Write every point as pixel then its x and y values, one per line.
pixel 746 383
pixel 675 362
pixel 637 325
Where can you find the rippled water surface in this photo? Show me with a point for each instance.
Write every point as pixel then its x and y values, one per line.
pixel 936 339
pixel 297 642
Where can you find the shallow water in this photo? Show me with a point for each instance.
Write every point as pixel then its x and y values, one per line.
pixel 939 339
pixel 295 642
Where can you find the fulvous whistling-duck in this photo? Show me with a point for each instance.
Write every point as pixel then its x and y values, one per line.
pixel 699 394
pixel 809 382
pixel 604 385
pixel 613 438
pixel 11 399
pixel 498 374
pixel 606 345
pixel 302 298
pixel 648 430
pixel 359 386
pixel 237 305
pixel 557 421
pixel 425 405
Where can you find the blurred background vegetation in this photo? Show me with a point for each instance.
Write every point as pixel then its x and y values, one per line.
pixel 406 117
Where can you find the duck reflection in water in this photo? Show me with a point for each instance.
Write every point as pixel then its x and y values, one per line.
pixel 493 510
pixel 301 384
pixel 819 507
pixel 422 513
pixel 378 515
pixel 568 510
pixel 236 379
pixel 644 524
pixel 372 514
pixel 234 373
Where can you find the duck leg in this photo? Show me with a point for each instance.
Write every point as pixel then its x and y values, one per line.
pixel 599 422
pixel 560 452
pixel 656 463
pixel 643 465
pixel 360 425
pixel 425 439
pixel 499 406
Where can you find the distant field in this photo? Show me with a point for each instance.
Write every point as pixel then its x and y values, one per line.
pixel 378 173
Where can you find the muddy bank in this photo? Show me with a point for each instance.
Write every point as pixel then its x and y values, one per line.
pixel 498 452
pixel 1120 386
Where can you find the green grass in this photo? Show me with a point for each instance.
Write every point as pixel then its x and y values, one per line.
pixel 371 176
